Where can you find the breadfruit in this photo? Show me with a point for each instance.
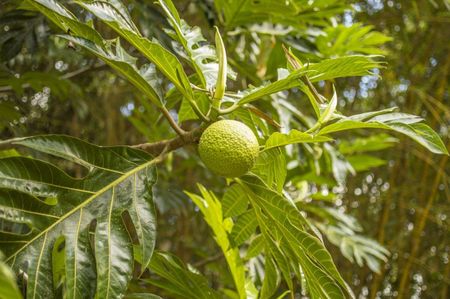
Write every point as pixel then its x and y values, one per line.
pixel 228 148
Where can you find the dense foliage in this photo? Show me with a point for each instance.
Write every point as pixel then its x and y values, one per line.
pixel 81 221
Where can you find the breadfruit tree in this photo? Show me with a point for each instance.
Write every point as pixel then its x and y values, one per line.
pixel 270 135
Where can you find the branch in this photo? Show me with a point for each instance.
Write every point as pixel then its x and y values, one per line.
pixel 159 148
pixel 165 146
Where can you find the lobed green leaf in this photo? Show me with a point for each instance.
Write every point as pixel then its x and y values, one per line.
pixel 118 182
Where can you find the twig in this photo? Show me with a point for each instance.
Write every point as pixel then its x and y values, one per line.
pixel 83 70
pixel 208 260
pixel 199 112
pixel 195 87
pixel 172 122
pixel 264 116
pixel 63 77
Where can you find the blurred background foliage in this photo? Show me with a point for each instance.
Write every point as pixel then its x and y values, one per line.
pixel 400 194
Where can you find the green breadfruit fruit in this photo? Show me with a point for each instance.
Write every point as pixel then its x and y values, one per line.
pixel 228 148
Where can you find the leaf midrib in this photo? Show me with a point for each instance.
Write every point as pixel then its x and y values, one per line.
pixel 111 205
pixel 38 266
pixel 28 212
pixel 290 236
pixel 244 228
pixel 75 254
pixel 50 184
pixel 83 204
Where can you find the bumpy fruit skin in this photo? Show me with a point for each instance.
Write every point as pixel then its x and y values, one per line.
pixel 228 148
